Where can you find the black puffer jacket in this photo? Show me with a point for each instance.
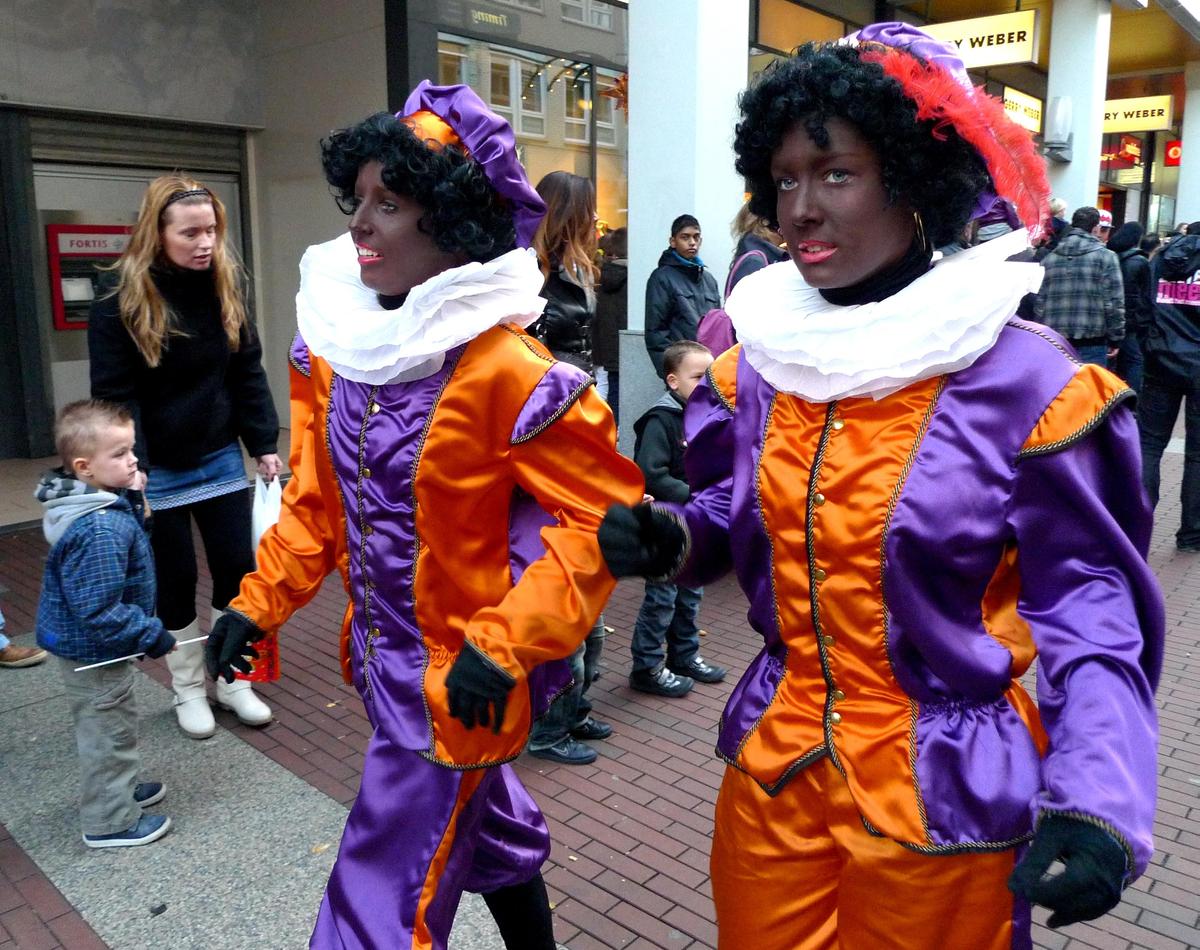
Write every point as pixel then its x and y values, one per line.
pixel 565 324
pixel 612 315
pixel 1172 343
pixel 1139 290
pixel 678 294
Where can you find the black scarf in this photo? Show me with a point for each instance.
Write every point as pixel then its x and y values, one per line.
pixel 872 289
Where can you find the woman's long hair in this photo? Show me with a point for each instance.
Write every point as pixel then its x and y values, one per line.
pixel 567 234
pixel 747 222
pixel 143 310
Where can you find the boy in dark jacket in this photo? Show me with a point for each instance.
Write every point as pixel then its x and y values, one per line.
pixel 1171 374
pixel 679 292
pixel 97 604
pixel 666 638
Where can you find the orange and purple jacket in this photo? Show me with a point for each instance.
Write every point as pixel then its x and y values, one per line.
pixel 461 505
pixel 906 559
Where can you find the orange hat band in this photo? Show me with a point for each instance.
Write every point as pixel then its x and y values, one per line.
pixel 429 127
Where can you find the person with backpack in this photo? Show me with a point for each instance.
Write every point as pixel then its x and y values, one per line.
pixel 679 292
pixel 1171 374
pixel 756 248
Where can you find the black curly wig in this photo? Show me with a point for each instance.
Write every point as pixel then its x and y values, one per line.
pixel 939 177
pixel 463 213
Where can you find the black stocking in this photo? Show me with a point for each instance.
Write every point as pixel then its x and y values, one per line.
pixel 522 912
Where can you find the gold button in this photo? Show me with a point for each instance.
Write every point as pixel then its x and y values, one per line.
pixel 835 718
pixel 839 424
pixel 368 530
pixel 828 640
pixel 374 408
pixel 374 631
pixel 838 695
pixel 818 499
pixel 366 473
pixel 818 574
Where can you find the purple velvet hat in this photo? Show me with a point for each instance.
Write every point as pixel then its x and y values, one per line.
pixel 489 140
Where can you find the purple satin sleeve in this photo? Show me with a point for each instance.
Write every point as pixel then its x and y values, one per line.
pixel 708 462
pixel 554 394
pixel 1082 523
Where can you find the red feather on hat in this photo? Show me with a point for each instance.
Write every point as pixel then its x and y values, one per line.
pixel 1018 172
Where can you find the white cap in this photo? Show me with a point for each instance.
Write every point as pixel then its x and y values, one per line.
pixel 1105 218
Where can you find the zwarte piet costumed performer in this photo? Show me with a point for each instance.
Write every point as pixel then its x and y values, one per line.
pixel 456 475
pixel 920 495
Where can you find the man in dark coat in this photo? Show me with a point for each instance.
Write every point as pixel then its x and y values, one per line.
pixel 1171 373
pixel 679 292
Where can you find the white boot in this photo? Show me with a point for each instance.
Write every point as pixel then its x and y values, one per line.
pixel 186 664
pixel 239 698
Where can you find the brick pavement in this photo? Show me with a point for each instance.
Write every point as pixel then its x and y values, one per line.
pixel 629 866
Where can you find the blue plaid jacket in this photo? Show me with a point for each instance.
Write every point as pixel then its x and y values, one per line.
pixel 98 589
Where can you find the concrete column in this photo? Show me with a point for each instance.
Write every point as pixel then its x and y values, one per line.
pixel 1079 36
pixel 1187 201
pixel 688 61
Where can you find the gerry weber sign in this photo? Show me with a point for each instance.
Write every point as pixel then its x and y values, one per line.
pixel 1144 114
pixel 991 40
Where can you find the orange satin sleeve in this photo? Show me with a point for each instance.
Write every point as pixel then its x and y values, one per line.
pixel 1077 409
pixel 573 470
pixel 297 554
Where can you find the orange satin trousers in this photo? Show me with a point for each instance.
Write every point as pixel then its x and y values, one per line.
pixel 800 872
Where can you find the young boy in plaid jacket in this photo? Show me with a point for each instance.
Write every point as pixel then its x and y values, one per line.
pixel 97 604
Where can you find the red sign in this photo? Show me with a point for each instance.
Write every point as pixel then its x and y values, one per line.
pixel 76 251
pixel 1173 153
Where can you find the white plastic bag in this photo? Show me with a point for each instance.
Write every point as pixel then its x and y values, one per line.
pixel 268 498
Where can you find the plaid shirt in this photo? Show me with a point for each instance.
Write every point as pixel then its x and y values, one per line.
pixel 97 600
pixel 1082 295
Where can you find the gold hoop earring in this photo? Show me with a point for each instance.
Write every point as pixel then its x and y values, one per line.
pixel 921 233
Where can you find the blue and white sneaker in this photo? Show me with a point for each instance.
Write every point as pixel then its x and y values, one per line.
pixel 148 828
pixel 149 793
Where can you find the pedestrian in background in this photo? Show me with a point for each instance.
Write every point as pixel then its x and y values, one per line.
pixel 566 248
pixel 173 343
pixel 15 657
pixel 1082 296
pixel 679 292
pixel 757 246
pixel 666 634
pixel 1126 243
pixel 96 605
pixel 612 316
pixel 1171 377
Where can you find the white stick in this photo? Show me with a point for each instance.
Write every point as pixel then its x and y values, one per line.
pixel 134 656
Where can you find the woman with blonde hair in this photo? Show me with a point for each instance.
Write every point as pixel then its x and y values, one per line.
pixel 172 341
pixel 757 246
pixel 566 248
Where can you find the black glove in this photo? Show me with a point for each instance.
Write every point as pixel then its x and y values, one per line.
pixel 1095 868
pixel 641 541
pixel 478 689
pixel 162 646
pixel 227 650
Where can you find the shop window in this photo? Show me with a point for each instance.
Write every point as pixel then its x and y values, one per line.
pixel 518 92
pixel 580 102
pixel 588 12
pixel 452 64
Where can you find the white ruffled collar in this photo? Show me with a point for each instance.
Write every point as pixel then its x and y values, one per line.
pixel 940 323
pixel 342 322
